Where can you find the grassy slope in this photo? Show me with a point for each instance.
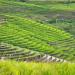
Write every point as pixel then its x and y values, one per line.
pixel 28 36
pixel 54 6
pixel 42 12
pixel 45 42
pixel 17 53
pixel 32 8
pixel 11 31
pixel 23 68
pixel 27 33
pixel 68 24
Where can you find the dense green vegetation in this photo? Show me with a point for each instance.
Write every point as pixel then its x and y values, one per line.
pixel 58 14
pixel 23 68
pixel 28 34
pixel 37 32
pixel 8 51
pixel 61 19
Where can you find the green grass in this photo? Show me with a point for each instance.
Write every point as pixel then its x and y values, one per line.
pixel 33 38
pixel 11 6
pixel 55 6
pixel 37 12
pixel 68 26
pixel 23 68
pixel 16 53
pixel 40 12
pixel 28 34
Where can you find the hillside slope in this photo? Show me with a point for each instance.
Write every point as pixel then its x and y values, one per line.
pixel 17 29
pixel 57 14
pixel 35 36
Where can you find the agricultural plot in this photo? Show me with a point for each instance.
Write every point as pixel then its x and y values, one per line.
pixel 8 51
pixel 37 37
pixel 26 33
pixel 55 16
pixel 58 14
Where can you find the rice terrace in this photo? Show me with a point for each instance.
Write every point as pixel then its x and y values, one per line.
pixel 37 37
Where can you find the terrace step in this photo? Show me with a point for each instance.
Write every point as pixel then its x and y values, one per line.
pixel 48 58
pixel 19 54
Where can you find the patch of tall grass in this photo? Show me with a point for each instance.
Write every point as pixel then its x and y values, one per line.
pixel 32 68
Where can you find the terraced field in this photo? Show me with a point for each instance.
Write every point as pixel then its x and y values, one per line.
pixel 55 16
pixel 26 33
pixel 37 37
pixel 17 29
pixel 8 51
pixel 44 12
